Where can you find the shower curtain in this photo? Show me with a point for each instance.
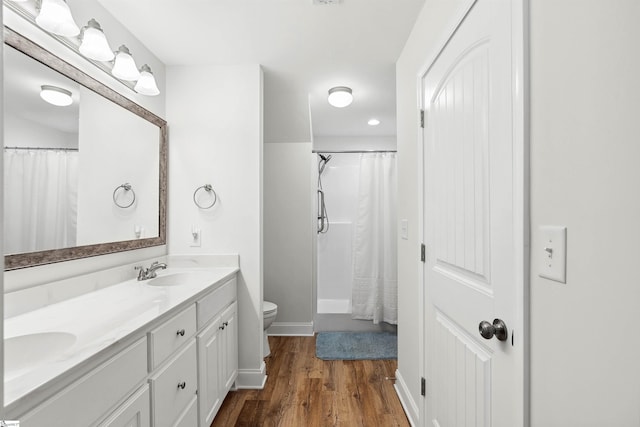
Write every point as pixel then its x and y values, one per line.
pixel 375 284
pixel 40 199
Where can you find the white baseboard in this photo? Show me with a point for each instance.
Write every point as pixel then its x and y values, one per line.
pixel 252 378
pixel 408 404
pixel 291 329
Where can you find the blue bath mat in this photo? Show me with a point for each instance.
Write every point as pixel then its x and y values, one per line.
pixel 356 345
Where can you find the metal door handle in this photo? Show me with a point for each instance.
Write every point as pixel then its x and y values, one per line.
pixel 497 329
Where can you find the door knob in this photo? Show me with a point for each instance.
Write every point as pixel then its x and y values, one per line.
pixel 498 329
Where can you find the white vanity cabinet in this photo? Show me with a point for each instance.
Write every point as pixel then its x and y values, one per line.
pixel 217 351
pixel 135 412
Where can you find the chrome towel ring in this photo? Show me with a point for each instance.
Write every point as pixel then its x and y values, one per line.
pixel 209 189
pixel 126 187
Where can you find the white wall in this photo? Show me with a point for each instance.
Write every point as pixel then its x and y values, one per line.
pixel 26 133
pixel 425 38
pixel 355 143
pixel 585 89
pixel 215 134
pixel 83 10
pixel 288 233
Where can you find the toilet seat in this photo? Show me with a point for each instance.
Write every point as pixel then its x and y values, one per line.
pixel 269 307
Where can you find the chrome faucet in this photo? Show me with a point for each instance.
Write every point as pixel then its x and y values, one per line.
pixel 149 273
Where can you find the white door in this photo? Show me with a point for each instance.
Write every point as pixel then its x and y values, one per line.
pixel 474 224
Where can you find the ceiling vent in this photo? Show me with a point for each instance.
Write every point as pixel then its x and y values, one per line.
pixel 325 2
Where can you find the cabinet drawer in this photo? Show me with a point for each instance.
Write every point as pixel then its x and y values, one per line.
pixel 89 398
pixel 173 333
pixel 135 412
pixel 174 386
pixel 189 418
pixel 210 305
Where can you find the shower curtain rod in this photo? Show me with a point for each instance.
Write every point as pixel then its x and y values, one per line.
pixel 41 148
pixel 353 151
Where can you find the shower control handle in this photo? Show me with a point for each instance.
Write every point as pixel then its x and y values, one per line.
pixel 497 329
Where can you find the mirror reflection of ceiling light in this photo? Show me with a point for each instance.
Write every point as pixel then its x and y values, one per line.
pixel 56 95
pixel 146 84
pixel 340 96
pixel 94 43
pixel 55 17
pixel 124 66
pixel 373 122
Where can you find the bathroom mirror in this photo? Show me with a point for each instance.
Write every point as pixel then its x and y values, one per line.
pixel 81 180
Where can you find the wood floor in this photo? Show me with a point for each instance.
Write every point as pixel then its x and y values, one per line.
pixel 303 391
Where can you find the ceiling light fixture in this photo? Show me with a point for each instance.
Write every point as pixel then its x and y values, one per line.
pixel 55 17
pixel 373 122
pixel 56 95
pixel 340 96
pixel 94 43
pixel 124 66
pixel 146 84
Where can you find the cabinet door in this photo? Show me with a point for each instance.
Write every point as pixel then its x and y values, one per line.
pixel 209 372
pixel 135 412
pixel 229 350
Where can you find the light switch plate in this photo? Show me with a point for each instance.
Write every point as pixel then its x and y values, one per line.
pixel 553 253
pixel 404 229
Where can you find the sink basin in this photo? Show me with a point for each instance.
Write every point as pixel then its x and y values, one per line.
pixel 24 352
pixel 182 278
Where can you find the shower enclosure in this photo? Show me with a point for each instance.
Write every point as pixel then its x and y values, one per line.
pixel 339 220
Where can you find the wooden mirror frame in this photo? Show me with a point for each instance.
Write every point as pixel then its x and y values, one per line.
pixel 31 259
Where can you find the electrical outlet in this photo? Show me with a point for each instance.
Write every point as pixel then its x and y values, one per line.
pixel 196 238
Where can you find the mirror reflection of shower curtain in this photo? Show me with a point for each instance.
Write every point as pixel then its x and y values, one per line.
pixel 375 283
pixel 40 199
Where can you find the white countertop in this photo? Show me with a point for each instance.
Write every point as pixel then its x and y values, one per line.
pixel 97 320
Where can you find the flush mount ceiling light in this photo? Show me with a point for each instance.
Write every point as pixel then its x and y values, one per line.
pixel 94 43
pixel 340 96
pixel 146 84
pixel 124 66
pixel 373 122
pixel 56 95
pixel 55 17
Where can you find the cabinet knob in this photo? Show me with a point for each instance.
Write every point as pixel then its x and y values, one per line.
pixel 221 326
pixel 180 332
pixel 182 385
pixel 226 324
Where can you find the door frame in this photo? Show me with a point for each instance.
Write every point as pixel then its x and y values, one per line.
pixel 521 162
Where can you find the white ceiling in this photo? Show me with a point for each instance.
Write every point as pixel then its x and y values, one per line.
pixel 305 49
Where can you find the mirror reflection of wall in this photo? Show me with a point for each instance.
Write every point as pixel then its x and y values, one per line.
pixel 63 163
pixel 40 157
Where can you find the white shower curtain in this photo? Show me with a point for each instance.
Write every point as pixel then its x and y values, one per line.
pixel 375 283
pixel 40 199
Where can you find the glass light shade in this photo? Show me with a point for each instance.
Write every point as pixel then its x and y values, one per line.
pixel 94 43
pixel 373 122
pixel 56 95
pixel 146 84
pixel 340 96
pixel 124 66
pixel 55 17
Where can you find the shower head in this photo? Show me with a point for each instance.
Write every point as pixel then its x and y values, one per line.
pixel 325 158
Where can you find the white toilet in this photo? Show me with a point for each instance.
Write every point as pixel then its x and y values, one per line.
pixel 269 313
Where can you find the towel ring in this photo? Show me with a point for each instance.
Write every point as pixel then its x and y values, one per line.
pixel 126 187
pixel 209 189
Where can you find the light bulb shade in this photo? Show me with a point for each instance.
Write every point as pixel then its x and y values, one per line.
pixel 146 84
pixel 56 95
pixel 124 66
pixel 94 43
pixel 340 96
pixel 55 17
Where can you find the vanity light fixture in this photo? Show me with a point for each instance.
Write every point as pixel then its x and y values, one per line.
pixel 340 96
pixel 124 66
pixel 373 122
pixel 94 44
pixel 55 17
pixel 146 84
pixel 56 95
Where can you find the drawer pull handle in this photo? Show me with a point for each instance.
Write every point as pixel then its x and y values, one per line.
pixel 180 332
pixel 182 385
